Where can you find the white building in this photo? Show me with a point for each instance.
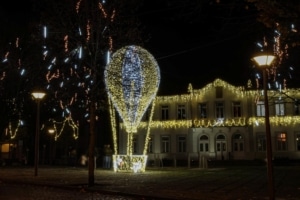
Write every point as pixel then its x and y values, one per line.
pixel 219 121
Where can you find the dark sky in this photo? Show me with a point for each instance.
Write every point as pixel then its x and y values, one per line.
pixel 198 44
pixel 14 16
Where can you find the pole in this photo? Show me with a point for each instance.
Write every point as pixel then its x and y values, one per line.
pixel 37 134
pixel 269 142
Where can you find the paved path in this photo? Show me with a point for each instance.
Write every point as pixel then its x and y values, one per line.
pixel 230 183
pixel 10 191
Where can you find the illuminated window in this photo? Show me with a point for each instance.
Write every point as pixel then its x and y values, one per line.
pixel 279 108
pixel 237 110
pixel 164 112
pixel 181 144
pixel 261 143
pixel 260 109
pixel 238 142
pixel 5 148
pixel 181 112
pixel 219 92
pixel 165 144
pixel 203 144
pixel 281 142
pixel 298 141
pixel 202 110
pixel 219 110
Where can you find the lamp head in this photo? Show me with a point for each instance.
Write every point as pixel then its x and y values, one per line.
pixel 38 95
pixel 264 59
pixel 51 131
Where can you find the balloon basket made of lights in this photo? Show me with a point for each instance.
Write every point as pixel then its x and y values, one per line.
pixel 129 163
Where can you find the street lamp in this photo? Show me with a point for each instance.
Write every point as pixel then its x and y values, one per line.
pixel 38 96
pixel 264 61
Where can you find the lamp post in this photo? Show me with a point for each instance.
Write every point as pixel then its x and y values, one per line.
pixel 51 155
pixel 38 96
pixel 264 61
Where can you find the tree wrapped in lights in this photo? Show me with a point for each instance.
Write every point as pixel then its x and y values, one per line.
pixel 132 79
pixel 281 22
pixel 88 31
pixel 78 37
pixel 281 73
pixel 17 65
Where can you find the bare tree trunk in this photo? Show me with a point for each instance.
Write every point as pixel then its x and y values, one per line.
pixel 91 166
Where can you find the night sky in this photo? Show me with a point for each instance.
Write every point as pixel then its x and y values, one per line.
pixel 196 45
pixel 14 18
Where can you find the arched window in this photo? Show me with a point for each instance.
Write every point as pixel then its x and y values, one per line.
pixel 221 137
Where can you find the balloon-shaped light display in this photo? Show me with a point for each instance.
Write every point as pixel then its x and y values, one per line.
pixel 132 78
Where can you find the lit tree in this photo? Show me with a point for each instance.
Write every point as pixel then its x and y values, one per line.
pixel 283 15
pixel 67 56
pixel 18 63
pixel 79 37
pixel 280 37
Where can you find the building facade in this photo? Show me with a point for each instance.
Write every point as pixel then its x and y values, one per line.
pixel 220 122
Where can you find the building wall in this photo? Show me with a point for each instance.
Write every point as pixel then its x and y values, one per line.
pixel 228 137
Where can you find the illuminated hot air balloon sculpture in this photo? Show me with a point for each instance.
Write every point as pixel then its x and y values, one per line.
pixel 132 79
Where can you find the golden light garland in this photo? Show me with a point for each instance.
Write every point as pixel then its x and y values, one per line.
pixel 196 95
pixel 230 122
pixel 241 92
pixel 113 126
pixel 68 121
pixel 197 123
pixel 148 129
pixel 12 133
pixel 276 120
